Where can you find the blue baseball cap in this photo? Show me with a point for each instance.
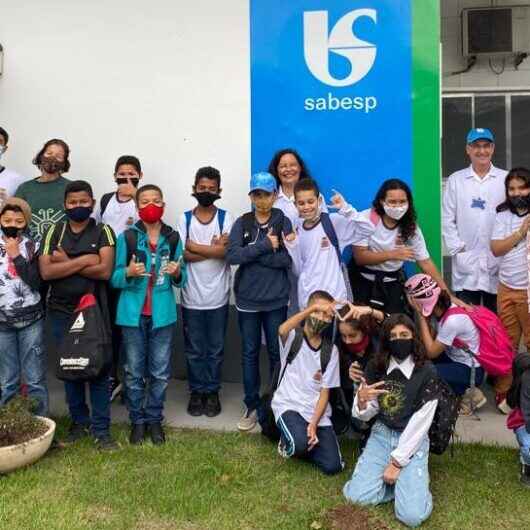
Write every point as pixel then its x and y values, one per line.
pixel 263 181
pixel 480 134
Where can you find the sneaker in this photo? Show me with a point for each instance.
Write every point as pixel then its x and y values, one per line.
pixel 157 434
pixel 478 399
pixel 115 388
pixel 195 406
pixel 248 420
pixel 212 406
pixel 281 449
pixel 502 405
pixel 76 432
pixel 137 435
pixel 525 475
pixel 106 443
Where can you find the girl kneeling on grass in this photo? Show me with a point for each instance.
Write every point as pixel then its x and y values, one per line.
pixel 398 392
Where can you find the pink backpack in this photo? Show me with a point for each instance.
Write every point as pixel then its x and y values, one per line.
pixel 495 353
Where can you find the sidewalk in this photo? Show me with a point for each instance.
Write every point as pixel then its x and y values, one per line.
pixel 489 428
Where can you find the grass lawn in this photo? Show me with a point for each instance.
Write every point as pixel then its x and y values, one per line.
pixel 204 480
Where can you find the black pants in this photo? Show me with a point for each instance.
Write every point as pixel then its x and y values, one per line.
pixel 479 298
pixel 392 301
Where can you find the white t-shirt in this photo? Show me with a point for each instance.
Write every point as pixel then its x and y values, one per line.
pixel 459 327
pixel 300 387
pixel 384 239
pixel 9 182
pixel 118 215
pixel 513 268
pixel 208 283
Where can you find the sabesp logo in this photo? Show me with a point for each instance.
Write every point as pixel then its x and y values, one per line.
pixel 341 40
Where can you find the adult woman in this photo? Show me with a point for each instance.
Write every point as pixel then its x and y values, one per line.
pixel 376 272
pixel 400 393
pixel 45 194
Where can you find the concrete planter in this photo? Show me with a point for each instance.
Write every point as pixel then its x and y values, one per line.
pixel 14 456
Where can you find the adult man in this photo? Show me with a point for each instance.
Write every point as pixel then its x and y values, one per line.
pixel 9 180
pixel 469 203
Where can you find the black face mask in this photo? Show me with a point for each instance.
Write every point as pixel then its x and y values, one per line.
pixel 11 231
pixel 79 213
pixel 205 198
pixel 124 180
pixel 400 349
pixel 51 165
pixel 519 202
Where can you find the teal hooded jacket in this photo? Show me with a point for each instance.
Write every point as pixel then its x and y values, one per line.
pixel 133 290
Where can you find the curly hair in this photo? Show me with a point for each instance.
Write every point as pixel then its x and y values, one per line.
pixel 273 165
pixel 407 224
pixel 383 355
pixel 54 141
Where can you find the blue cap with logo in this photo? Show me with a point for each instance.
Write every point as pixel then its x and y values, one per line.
pixel 262 181
pixel 479 134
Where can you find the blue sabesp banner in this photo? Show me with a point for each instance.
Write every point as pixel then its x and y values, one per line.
pixel 334 81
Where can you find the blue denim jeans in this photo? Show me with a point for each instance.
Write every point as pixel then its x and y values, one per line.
pixel 204 340
pixel 147 369
pixel 523 438
pixel 99 421
pixel 413 499
pixel 23 355
pixel 250 325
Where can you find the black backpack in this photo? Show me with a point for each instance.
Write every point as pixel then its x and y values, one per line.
pixel 444 422
pixel 104 202
pixel 339 417
pixel 131 240
pixel 85 352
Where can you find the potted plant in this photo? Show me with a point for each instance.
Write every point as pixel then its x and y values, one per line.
pixel 24 437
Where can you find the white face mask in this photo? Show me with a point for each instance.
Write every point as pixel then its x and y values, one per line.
pixel 396 212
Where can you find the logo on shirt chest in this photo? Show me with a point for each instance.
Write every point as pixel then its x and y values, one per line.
pixel 479 203
pixel 317 377
pixel 324 243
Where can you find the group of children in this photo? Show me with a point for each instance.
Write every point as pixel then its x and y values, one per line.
pixel 291 290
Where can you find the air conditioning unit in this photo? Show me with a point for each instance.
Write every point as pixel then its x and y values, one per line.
pixel 496 31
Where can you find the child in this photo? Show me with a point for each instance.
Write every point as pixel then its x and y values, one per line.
pixel 398 393
pixel 205 297
pixel 301 401
pixel 518 399
pixel 22 352
pixel 148 265
pixel 118 210
pixel 321 238
pixel 261 285
pixel 9 179
pixel 77 257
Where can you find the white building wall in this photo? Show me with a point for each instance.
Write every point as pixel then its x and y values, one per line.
pixel 480 76
pixel 167 81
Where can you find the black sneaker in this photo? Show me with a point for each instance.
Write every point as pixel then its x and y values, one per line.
pixel 212 406
pixel 76 432
pixel 137 435
pixel 106 443
pixel 115 388
pixel 525 475
pixel 195 405
pixel 157 433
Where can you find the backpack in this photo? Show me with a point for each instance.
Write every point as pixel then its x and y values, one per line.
pixel 495 353
pixel 104 202
pixel 443 424
pixel 221 214
pixel 248 221
pixel 85 353
pixel 131 240
pixel 268 424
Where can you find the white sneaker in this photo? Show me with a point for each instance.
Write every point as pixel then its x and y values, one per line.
pixel 248 421
pixel 281 450
pixel 476 396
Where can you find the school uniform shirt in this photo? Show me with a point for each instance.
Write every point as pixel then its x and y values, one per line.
pixel 403 405
pixel 513 267
pixel 9 182
pixel 288 207
pixel 303 380
pixel 119 215
pixel 382 238
pixel 468 215
pixel 46 200
pixel 315 258
pixel 459 327
pixel 65 292
pixel 208 285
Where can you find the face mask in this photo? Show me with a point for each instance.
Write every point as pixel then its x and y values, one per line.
pixel 51 165
pixel 316 325
pixel 124 180
pixel 3 149
pixel 11 231
pixel 395 212
pixel 400 349
pixel 359 347
pixel 151 213
pixel 79 213
pixel 519 203
pixel 205 198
